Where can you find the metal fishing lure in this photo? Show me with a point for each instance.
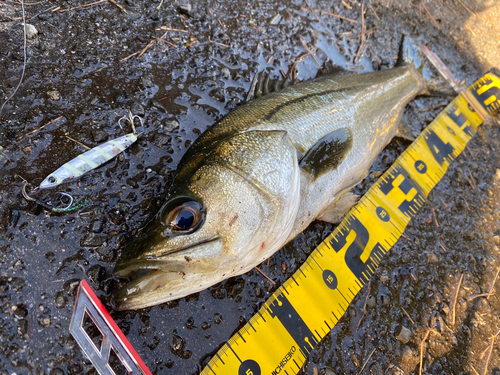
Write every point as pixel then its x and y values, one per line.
pixel 88 160
pixel 92 158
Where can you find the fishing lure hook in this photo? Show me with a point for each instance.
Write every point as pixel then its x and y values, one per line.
pixel 71 206
pixel 25 194
pixel 71 200
pixel 130 118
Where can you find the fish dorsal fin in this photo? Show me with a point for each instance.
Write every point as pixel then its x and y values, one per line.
pixel 262 84
pixel 327 153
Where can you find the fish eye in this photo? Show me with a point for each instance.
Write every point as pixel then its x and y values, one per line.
pixel 186 217
pixel 52 179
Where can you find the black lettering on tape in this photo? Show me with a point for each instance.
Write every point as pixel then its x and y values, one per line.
pixel 293 323
pixel 284 361
pixel 440 150
pixel 330 279
pixel 458 118
pixel 420 167
pixel 249 367
pixel 407 186
pixel 383 214
pixel 362 270
pixel 489 96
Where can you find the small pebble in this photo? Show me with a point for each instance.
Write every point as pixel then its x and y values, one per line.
pixel 402 333
pixel 46 321
pixel 431 257
pixel 408 354
pixel 497 174
pixel 171 125
pixel 225 73
pixel 137 109
pixel 54 95
pixel 371 301
pixel 31 31
pixel 61 300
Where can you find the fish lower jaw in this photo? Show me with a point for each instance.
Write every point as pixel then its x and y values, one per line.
pixel 159 286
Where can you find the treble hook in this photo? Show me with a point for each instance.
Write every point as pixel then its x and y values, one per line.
pixel 130 118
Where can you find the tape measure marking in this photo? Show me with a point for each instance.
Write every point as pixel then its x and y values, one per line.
pixel 279 337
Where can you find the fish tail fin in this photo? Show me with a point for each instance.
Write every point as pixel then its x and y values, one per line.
pixel 432 84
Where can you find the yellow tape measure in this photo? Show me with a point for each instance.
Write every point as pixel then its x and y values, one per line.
pixel 278 339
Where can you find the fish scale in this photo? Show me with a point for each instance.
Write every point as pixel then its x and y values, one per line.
pixel 278 338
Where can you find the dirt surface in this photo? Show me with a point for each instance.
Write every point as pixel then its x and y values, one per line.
pixel 81 78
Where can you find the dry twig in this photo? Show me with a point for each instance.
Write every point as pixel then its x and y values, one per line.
pixel 405 237
pixel 74 140
pixel 474 296
pixel 492 25
pixel 408 315
pixel 373 10
pixel 24 60
pixel 470 182
pixel 376 58
pixel 445 205
pixel 467 204
pixel 490 350
pixel 493 284
pixel 475 371
pixel 170 29
pixel 430 15
pixel 37 129
pixel 442 247
pixel 119 6
pixel 346 5
pixel 141 52
pixel 364 306
pixel 220 44
pixel 319 19
pixel 455 298
pixel 435 218
pixel 422 343
pixel 310 52
pixel 366 362
pixel 472 177
pixel 29 4
pixel 472 31
pixel 263 274
pixel 336 15
pixel 83 6
pixel 361 43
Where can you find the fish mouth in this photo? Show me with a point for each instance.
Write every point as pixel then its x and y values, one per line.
pixel 136 294
pixel 127 267
pixel 165 276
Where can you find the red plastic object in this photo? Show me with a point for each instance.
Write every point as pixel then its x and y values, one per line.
pixel 112 354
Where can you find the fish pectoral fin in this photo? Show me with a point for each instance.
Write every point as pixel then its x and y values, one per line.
pixel 405 131
pixel 328 153
pixel 336 211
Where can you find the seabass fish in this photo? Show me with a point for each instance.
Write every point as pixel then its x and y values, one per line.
pixel 259 177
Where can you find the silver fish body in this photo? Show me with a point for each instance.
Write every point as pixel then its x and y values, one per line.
pixel 89 160
pixel 259 177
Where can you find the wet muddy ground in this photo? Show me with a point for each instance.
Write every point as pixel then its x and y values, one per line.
pixel 86 66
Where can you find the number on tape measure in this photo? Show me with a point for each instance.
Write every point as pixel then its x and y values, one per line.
pixel 278 339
